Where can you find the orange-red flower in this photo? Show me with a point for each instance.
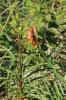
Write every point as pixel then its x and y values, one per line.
pixel 30 34
pixel 34 41
pixel 35 29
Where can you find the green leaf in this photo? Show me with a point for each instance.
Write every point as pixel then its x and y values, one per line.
pixel 29 3
pixel 35 96
pixel 28 58
pixel 38 7
pixel 39 20
pixel 34 66
pixel 1 41
pixel 6 43
pixel 13 23
pixel 10 53
pixel 4 82
pixel 57 90
pixel 13 31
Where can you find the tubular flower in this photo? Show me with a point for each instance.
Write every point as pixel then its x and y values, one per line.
pixel 35 29
pixel 34 41
pixel 30 35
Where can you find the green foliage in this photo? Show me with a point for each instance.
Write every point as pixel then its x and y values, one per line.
pixel 42 69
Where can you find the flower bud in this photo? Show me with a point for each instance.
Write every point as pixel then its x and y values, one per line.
pixel 30 34
pixel 34 41
pixel 35 29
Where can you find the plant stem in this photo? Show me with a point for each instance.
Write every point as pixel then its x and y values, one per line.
pixel 20 60
pixel 20 64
